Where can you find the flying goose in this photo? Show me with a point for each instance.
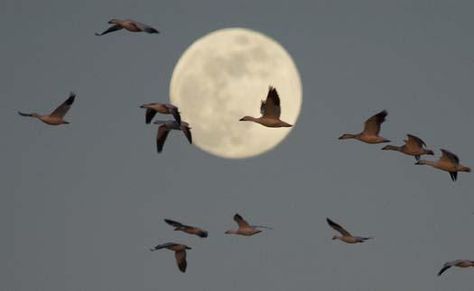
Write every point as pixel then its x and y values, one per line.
pixel 448 162
pixel 244 227
pixel 153 108
pixel 270 110
pixel 187 228
pixel 414 146
pixel 57 116
pixel 456 263
pixel 165 128
pixel 371 131
pixel 345 235
pixel 128 24
pixel 179 253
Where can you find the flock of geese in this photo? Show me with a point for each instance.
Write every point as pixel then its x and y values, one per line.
pixel 414 146
pixel 270 110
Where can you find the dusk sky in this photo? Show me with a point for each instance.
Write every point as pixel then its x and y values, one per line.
pixel 82 203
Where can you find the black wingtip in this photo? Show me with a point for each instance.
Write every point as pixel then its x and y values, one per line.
pixel 71 98
pixel 152 30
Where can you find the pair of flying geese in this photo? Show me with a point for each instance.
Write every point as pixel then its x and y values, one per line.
pixel 244 228
pixel 270 109
pixel 414 146
pixel 347 237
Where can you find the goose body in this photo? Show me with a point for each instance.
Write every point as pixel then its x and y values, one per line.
pixel 128 24
pixel 345 236
pixel 414 146
pixel 166 127
pixel 178 226
pixel 456 263
pixel 57 116
pixel 179 253
pixel 153 108
pixel 448 162
pixel 371 131
pixel 270 110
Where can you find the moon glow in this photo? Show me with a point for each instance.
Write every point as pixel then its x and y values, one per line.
pixel 223 76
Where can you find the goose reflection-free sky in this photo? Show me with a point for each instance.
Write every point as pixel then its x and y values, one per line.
pixel 82 204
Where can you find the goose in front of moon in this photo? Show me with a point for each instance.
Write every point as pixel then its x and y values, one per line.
pixel 165 128
pixel 153 108
pixel 270 110
pixel 220 78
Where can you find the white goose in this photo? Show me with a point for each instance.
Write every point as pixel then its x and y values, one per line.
pixel 179 253
pixel 448 162
pixel 371 131
pixel 165 128
pixel 456 263
pixel 57 116
pixel 244 227
pixel 270 110
pixel 414 146
pixel 345 236
pixel 153 108
pixel 128 24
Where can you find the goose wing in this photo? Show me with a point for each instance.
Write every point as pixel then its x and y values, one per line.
pixel 174 223
pixel 25 114
pixel 181 260
pixel 187 132
pixel 240 221
pixel 150 113
pixel 175 112
pixel 62 109
pixel 338 228
pixel 445 267
pixel 448 156
pixel 414 141
pixel 270 108
pixel 163 132
pixel 144 27
pixel 373 124
pixel 163 246
pixel 110 29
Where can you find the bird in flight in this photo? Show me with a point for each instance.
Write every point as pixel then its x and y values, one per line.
pixel 153 108
pixel 128 24
pixel 456 263
pixel 244 227
pixel 165 128
pixel 448 162
pixel 371 131
pixel 270 110
pixel 414 146
pixel 345 236
pixel 57 116
pixel 179 253
pixel 187 228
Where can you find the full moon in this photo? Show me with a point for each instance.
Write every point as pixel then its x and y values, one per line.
pixel 223 76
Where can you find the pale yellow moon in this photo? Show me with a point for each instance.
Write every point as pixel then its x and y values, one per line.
pixel 223 76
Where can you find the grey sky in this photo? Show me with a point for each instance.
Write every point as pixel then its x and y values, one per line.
pixel 81 204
